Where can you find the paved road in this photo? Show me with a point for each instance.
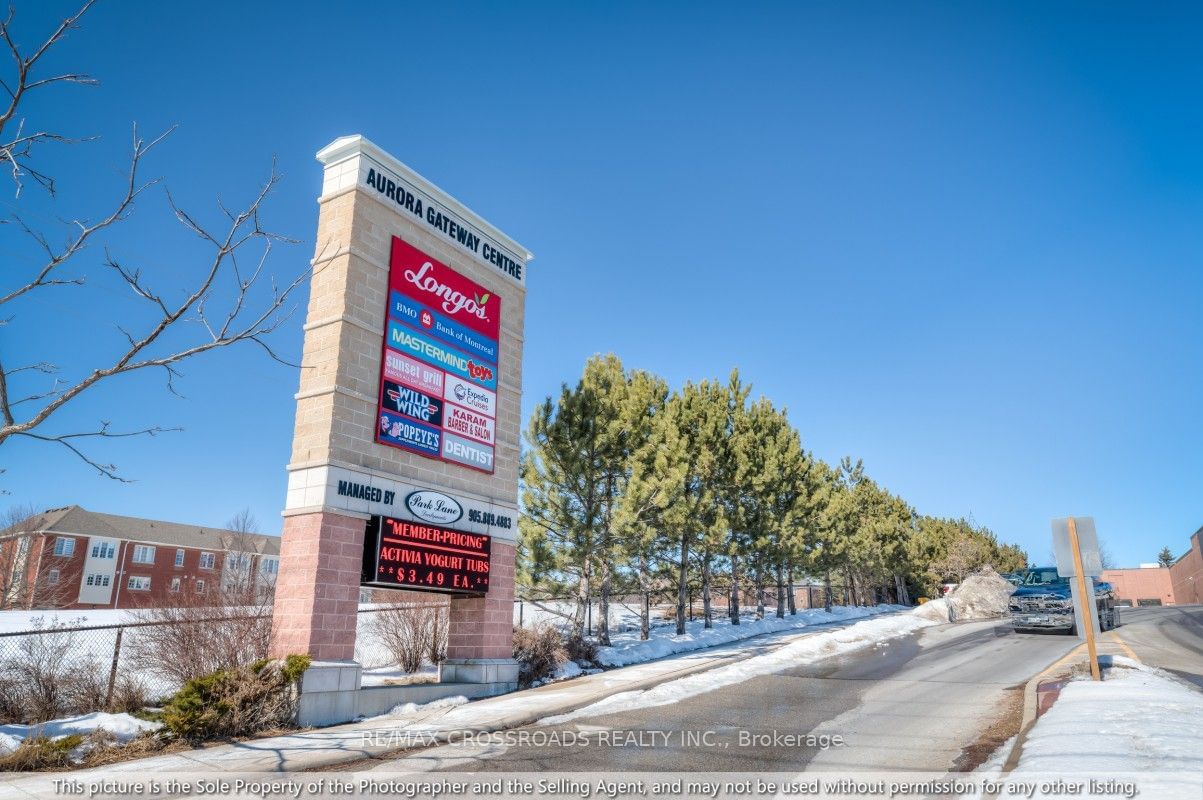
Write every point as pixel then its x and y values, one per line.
pixel 1169 637
pixel 917 703
pixel 913 703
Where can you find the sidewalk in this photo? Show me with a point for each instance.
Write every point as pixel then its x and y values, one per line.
pixel 341 744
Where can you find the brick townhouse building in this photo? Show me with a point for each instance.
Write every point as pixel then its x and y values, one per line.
pixel 74 558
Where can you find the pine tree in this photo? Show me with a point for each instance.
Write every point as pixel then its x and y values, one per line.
pixel 1166 557
pixel 573 474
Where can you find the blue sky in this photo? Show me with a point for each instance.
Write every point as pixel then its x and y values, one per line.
pixel 959 241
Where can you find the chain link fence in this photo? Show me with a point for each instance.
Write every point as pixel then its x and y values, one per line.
pixel 625 610
pixel 51 669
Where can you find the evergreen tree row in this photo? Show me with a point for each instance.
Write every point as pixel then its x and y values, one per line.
pixel 630 488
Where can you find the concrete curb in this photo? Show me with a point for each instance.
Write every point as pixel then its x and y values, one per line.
pixel 1031 698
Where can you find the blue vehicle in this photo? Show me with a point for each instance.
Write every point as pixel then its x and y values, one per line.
pixel 1042 601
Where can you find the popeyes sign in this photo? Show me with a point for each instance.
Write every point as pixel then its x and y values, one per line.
pixel 439 365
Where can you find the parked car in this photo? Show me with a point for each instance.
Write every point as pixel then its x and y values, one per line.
pixel 1043 601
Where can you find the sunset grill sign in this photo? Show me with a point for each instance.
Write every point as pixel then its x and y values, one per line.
pixel 438 376
pixel 399 554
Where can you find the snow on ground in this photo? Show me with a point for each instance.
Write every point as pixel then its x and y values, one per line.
pixel 392 674
pixel 123 726
pixel 866 633
pixel 628 648
pixel 405 710
pixel 1139 719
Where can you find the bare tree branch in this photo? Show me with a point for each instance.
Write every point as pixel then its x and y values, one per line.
pixel 107 470
pixel 246 306
pixel 17 150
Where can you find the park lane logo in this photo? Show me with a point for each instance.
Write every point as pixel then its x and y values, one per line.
pixel 433 506
pixel 453 301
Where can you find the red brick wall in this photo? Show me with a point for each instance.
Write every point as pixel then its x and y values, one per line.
pixel 160 573
pixel 1187 573
pixel 1141 584
pixel 483 627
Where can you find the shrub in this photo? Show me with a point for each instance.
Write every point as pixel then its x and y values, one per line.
pixel 581 649
pixel 203 633
pixel 86 686
pixel 437 652
pixel 39 752
pixel 411 633
pixel 236 702
pixel 35 682
pixel 129 695
pixel 12 697
pixel 539 652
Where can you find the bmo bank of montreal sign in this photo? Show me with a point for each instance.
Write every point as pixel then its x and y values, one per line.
pixel 438 375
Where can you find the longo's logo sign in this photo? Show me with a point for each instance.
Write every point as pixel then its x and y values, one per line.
pixel 398 554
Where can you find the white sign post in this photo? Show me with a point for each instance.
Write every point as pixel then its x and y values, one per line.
pixel 1077 549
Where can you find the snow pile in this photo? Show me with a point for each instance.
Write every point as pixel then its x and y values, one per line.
pixel 123 726
pixel 858 636
pixel 1138 720
pixel 409 709
pixel 569 669
pixel 630 649
pixel 982 596
pixel 937 611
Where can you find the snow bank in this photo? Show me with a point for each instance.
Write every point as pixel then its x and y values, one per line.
pixel 1138 720
pixel 408 709
pixel 858 636
pixel 937 611
pixel 123 726
pixel 982 596
pixel 628 648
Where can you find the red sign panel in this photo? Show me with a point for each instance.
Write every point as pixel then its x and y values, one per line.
pixel 434 284
pixel 398 554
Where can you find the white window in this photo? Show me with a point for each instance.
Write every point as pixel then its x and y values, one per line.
pixel 103 550
pixel 200 587
pixel 104 580
pixel 271 566
pixel 52 577
pixel 139 583
pixel 207 560
pixel 144 554
pixel 96 579
pixel 64 546
pixel 179 558
pixel 175 583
